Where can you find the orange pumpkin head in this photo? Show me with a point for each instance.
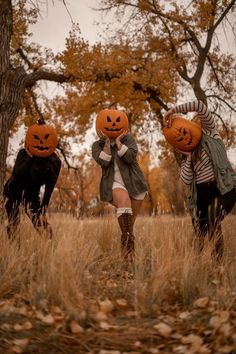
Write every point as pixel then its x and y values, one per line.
pixel 111 123
pixel 183 134
pixel 41 140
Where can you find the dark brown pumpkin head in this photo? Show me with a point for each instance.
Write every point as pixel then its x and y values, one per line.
pixel 41 140
pixel 111 123
pixel 183 134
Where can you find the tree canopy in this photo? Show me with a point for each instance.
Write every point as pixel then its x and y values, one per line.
pixel 156 54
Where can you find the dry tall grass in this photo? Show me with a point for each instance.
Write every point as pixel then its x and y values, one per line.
pixel 82 264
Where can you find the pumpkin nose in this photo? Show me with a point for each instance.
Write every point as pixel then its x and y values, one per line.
pixel 113 124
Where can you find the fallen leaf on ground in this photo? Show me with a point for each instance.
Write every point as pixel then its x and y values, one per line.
pixel 202 302
pixel 100 316
pixel 153 350
pixel 192 339
pixel 18 327
pixel 184 315
pixel 163 329
pixel 226 330
pixel 27 325
pixel 106 306
pixel 219 318
pixel 5 327
pixel 104 325
pixel 109 352
pixel 16 349
pixel 23 311
pixel 47 319
pixel 122 303
pixel 75 327
pixel 22 343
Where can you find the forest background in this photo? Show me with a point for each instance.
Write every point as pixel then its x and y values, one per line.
pixel 75 293
pixel 143 57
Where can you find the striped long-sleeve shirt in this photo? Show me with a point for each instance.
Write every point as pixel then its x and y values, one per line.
pixel 202 168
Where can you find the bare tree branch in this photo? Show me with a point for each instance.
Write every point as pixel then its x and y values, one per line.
pixel 31 79
pixel 64 3
pixel 223 124
pixel 25 58
pixel 60 148
pixel 36 106
pixel 222 100
pixel 223 15
pixel 218 82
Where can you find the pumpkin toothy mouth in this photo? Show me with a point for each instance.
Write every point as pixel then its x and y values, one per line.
pixel 41 148
pixel 184 136
pixel 113 129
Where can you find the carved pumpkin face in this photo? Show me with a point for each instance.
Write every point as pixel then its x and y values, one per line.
pixel 41 140
pixel 111 123
pixel 183 134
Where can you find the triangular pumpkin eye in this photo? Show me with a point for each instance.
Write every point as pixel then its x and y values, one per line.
pixel 118 119
pixel 46 136
pixel 36 137
pixel 108 119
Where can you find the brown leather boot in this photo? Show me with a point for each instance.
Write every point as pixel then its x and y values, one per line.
pixel 127 237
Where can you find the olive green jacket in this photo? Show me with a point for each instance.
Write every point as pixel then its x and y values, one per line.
pixel 224 174
pixel 130 171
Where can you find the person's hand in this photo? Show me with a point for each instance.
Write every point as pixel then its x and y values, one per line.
pixel 42 225
pixel 107 146
pixel 168 117
pixel 44 221
pixel 188 154
pixel 119 138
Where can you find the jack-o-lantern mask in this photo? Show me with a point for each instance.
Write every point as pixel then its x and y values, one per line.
pixel 183 134
pixel 41 140
pixel 111 123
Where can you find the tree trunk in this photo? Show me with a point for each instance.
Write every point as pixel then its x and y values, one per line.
pixel 4 138
pixel 199 92
pixel 11 88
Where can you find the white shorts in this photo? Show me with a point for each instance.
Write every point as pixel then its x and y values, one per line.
pixel 140 196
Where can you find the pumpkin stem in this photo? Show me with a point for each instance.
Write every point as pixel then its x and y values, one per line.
pixel 41 121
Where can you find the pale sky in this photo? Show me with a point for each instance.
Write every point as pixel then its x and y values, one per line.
pixel 55 23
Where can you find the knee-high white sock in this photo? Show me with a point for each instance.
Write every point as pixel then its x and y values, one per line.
pixel 120 211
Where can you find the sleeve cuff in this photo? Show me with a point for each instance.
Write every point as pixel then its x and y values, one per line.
pixel 104 156
pixel 122 150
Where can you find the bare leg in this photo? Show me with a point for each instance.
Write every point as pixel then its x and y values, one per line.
pixel 121 198
pixel 135 205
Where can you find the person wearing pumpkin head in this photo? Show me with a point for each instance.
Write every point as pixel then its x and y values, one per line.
pixel 206 169
pixel 122 182
pixel 36 165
